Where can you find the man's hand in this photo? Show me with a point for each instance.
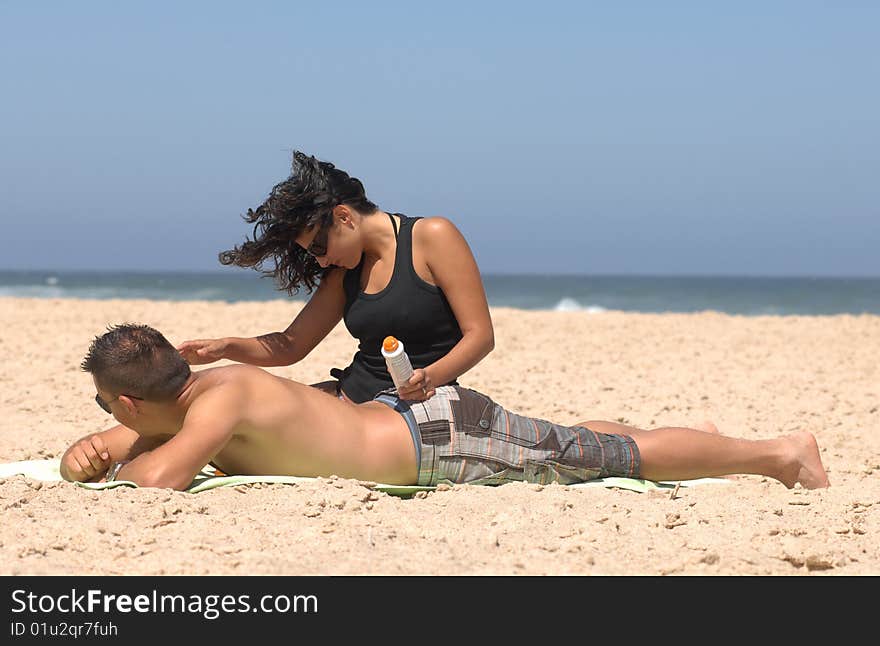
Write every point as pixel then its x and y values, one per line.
pixel 86 459
pixel 418 388
pixel 201 351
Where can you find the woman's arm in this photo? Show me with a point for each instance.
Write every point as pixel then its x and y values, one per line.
pixel 316 320
pixel 455 271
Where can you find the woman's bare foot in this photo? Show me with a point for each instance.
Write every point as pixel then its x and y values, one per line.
pixel 803 462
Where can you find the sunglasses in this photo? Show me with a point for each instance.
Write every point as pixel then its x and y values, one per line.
pixel 318 247
pixel 105 405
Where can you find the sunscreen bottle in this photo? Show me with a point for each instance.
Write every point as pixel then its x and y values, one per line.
pixel 397 361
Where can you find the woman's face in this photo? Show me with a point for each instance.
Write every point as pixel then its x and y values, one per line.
pixel 335 244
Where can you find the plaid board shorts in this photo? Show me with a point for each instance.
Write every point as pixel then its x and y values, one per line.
pixel 467 437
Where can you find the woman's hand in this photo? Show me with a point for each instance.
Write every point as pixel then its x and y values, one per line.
pixel 201 351
pixel 418 388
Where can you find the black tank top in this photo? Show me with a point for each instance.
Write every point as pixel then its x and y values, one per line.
pixel 408 308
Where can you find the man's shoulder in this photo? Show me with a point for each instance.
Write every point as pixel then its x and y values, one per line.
pixel 231 376
pixel 225 388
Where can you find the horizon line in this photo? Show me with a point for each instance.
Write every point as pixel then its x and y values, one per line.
pixel 482 273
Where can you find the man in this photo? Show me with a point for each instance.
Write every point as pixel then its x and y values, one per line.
pixel 244 420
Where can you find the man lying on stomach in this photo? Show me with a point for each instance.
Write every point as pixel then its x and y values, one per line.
pixel 244 420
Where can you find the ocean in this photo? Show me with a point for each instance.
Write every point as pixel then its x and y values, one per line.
pixel 750 296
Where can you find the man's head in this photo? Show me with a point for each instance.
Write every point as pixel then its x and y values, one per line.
pixel 134 363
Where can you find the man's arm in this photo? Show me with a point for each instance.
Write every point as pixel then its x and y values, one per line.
pixel 207 428
pixel 89 457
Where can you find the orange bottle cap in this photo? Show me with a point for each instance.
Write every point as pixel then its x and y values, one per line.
pixel 389 344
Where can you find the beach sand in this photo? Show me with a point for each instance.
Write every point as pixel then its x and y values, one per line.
pixel 755 377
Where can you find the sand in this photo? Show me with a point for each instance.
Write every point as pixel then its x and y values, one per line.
pixel 755 377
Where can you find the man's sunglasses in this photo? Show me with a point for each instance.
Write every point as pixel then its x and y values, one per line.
pixel 105 405
pixel 318 247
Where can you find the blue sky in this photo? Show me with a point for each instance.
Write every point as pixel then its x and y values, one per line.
pixel 600 138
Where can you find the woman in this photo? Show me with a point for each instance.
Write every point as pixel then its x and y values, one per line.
pixel 383 273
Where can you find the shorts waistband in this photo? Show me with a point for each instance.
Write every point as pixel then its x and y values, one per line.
pixel 400 406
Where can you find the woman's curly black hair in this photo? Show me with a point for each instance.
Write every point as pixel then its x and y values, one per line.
pixel 303 200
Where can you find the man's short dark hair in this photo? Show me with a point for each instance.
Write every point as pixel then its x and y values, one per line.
pixel 137 360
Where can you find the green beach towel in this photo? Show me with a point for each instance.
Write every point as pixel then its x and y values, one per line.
pixel 48 470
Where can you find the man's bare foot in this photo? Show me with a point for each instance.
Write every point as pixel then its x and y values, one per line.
pixel 803 464
pixel 708 426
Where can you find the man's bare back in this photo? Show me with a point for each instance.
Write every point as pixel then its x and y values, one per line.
pixel 285 427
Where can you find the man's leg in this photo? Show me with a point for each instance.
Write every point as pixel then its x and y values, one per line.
pixel 615 428
pixel 684 454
